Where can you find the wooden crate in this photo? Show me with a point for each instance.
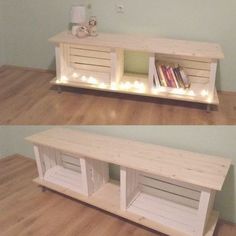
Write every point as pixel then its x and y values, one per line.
pixel 176 204
pixel 88 64
pixel 73 172
pixel 200 71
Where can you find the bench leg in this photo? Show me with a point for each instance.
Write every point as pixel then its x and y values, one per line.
pixel 59 89
pixel 208 108
pixel 44 189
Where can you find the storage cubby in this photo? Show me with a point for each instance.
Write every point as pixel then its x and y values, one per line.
pixel 85 64
pixel 73 172
pixel 200 71
pixel 98 63
pixel 169 190
pixel 166 201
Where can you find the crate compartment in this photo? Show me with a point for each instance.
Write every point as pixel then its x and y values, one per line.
pixel 170 203
pixel 73 172
pixel 200 71
pixel 85 64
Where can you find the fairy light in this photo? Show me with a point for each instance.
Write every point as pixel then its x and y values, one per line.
pixel 83 79
pixel 113 86
pixel 178 91
pixel 102 85
pixel 191 93
pixel 75 75
pixel 64 79
pixel 92 80
pixel 204 93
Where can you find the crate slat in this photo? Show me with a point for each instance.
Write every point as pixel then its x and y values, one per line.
pixel 89 53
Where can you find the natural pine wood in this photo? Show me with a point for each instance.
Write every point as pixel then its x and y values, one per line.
pixel 193 168
pixel 145 44
pixel 27 98
pixel 29 211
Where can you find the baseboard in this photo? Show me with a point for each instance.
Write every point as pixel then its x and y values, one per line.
pixel 28 69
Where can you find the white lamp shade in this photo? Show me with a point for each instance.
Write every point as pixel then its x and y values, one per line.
pixel 78 14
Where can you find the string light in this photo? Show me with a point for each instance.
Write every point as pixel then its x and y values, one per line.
pixel 135 86
pixel 75 75
pixel 204 93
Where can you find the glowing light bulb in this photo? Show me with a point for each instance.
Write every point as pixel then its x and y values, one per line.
pixel 191 93
pixel 92 80
pixel 113 86
pixel 127 85
pixel 83 78
pixel 204 93
pixel 64 79
pixel 75 75
pixel 102 85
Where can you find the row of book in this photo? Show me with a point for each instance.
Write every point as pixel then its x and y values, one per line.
pixel 171 76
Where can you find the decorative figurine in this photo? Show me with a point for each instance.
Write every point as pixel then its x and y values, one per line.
pixel 93 26
pixel 82 31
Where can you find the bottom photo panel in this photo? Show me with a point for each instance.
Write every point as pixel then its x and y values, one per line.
pixel 118 180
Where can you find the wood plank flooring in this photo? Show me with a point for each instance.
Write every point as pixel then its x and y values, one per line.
pixel 27 98
pixel 26 210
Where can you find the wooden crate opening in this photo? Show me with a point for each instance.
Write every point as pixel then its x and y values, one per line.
pixel 160 199
pixel 73 172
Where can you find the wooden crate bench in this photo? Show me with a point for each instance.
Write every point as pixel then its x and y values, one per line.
pixel 98 63
pixel 169 190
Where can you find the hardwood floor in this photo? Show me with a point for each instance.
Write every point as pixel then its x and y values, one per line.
pixel 26 210
pixel 27 98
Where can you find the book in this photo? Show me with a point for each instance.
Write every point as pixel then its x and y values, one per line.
pixel 185 79
pixel 171 75
pixel 178 77
pixel 166 77
pixel 174 77
pixel 161 75
pixel 156 77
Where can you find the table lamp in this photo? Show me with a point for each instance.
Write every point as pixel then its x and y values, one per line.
pixel 78 17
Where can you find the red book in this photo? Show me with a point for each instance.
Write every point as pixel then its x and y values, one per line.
pixel 164 70
pixel 172 81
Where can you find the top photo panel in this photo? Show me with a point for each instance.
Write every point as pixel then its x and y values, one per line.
pixel 90 64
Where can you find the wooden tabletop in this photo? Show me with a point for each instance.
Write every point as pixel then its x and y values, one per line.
pixel 145 44
pixel 194 168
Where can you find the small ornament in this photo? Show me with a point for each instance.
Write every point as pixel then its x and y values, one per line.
pixel 93 26
pixel 82 31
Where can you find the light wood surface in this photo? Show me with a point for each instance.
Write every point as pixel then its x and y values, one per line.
pixel 29 211
pixel 198 169
pixel 146 44
pixel 27 98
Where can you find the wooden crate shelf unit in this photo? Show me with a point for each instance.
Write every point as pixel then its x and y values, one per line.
pixel 168 190
pixel 98 63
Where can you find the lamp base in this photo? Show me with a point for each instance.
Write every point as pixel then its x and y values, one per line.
pixel 74 30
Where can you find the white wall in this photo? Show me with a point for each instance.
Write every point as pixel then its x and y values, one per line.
pixel 214 140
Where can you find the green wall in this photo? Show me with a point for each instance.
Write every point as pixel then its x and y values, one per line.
pixel 5 142
pixel 205 20
pixel 214 140
pixel 2 50
pixel 28 24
